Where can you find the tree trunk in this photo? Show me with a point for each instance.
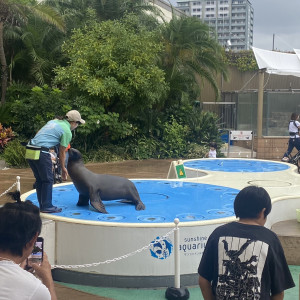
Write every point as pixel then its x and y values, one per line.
pixel 3 66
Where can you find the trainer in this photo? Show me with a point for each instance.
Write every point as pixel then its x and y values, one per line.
pixel 55 132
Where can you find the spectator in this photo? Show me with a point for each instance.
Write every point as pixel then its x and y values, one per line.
pixel 294 140
pixel 20 225
pixel 53 133
pixel 212 153
pixel 243 259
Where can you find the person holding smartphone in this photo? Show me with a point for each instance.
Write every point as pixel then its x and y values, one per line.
pixel 20 226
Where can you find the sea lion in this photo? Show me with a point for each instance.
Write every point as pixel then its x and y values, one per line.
pixel 98 187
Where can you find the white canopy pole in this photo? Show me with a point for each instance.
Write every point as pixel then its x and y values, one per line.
pixel 260 102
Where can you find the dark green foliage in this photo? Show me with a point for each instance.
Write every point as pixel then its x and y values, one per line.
pixel 106 153
pixel 5 114
pixel 32 112
pixel 35 51
pixel 115 62
pixel 14 15
pixel 100 128
pixel 174 139
pixel 196 151
pixel 14 154
pixel 17 90
pixel 143 148
pixel 203 126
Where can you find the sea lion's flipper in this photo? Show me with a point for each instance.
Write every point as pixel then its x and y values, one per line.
pixel 140 206
pixel 83 200
pixel 96 201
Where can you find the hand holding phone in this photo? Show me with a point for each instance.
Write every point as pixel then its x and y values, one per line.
pixel 37 253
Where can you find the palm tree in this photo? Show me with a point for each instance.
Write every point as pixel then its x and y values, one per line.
pixel 75 12
pixel 191 54
pixel 33 52
pixel 15 13
pixel 116 9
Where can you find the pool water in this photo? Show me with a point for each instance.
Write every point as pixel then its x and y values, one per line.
pixel 236 165
pixel 164 200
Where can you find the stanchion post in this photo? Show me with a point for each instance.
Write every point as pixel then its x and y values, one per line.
pixel 177 292
pixel 18 184
pixel 177 254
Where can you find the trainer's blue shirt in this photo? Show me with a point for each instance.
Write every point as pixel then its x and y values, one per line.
pixel 53 133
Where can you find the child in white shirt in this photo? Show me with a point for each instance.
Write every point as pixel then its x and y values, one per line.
pixel 212 151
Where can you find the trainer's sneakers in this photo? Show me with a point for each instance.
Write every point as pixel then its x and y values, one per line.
pixel 51 210
pixel 285 159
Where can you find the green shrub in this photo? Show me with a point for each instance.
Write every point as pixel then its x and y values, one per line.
pixel 174 139
pixel 142 148
pixel 33 111
pixel 203 127
pixel 5 114
pixel 105 154
pixel 14 154
pixel 196 151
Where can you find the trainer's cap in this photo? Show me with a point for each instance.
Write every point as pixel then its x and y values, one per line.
pixel 74 116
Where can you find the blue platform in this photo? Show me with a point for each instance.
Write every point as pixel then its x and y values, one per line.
pixel 164 200
pixel 235 165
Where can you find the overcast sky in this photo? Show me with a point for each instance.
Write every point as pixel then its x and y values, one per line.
pixel 281 17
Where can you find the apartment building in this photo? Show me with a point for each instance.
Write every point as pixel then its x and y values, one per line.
pixel 232 20
pixel 167 9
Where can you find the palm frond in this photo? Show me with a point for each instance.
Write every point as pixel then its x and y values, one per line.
pixel 49 15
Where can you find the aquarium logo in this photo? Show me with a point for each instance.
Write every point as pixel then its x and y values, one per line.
pixel 161 249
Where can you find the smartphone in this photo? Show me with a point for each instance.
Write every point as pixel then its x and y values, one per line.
pixel 37 253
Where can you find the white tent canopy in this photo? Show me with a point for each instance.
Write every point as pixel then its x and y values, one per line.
pixel 277 62
pixel 274 63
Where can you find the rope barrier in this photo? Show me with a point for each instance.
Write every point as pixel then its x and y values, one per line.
pixel 108 261
pixel 17 183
